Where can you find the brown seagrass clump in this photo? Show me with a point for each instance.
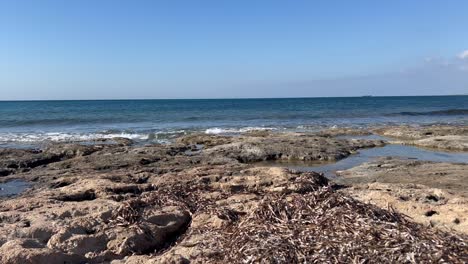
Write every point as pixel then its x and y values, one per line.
pixel 310 222
pixel 327 226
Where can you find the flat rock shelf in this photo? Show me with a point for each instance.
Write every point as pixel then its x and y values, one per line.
pixel 205 199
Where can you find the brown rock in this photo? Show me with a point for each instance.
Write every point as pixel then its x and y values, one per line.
pixel 414 188
pixel 28 251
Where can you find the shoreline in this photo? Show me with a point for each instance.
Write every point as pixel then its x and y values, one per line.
pixel 38 140
pixel 91 202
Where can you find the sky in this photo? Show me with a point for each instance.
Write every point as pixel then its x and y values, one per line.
pixel 113 49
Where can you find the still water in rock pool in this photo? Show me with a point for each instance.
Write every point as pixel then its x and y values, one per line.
pixel 13 187
pixel 366 155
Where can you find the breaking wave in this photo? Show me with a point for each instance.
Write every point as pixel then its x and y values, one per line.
pixel 31 138
pixel 217 130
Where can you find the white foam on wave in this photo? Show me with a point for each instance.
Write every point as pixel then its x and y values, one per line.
pixel 155 136
pixel 40 137
pixel 217 130
pixel 65 137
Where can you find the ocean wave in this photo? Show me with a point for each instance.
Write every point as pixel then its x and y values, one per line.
pixel 32 138
pixel 64 137
pixel 448 112
pixel 217 130
pixel 61 121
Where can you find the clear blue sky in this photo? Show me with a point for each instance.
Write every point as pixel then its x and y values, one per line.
pixel 94 49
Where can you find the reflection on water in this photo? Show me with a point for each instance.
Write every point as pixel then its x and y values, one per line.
pixel 13 187
pixel 365 155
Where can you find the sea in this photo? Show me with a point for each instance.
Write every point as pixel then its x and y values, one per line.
pixel 28 123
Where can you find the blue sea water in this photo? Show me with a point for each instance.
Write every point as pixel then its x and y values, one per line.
pixel 30 122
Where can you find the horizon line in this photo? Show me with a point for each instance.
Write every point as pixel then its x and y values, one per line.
pixel 230 98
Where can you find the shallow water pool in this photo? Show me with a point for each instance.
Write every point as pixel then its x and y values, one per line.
pixel 13 187
pixel 366 155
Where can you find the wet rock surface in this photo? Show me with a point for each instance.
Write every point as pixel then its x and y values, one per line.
pixel 450 138
pixel 420 132
pixel 449 143
pixel 344 131
pixel 299 147
pixel 200 200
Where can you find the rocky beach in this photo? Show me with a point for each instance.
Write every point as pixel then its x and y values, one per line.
pixel 209 199
pixel 233 132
